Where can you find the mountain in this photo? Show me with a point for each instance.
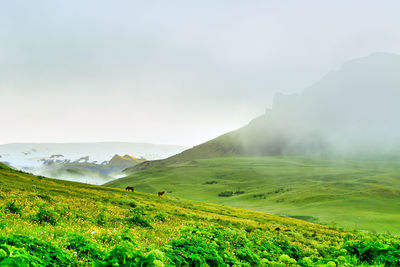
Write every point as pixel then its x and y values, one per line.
pixel 352 110
pixel 47 222
pixel 31 155
pixel 330 153
pixel 89 172
pixel 119 163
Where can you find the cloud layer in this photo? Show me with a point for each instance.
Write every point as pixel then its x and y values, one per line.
pixel 170 71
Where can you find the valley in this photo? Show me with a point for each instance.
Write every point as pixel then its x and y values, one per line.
pixel 353 193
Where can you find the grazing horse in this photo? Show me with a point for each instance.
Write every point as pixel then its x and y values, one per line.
pixel 161 193
pixel 130 188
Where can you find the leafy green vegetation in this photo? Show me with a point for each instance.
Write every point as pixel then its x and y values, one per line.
pixel 13 208
pixel 63 223
pixel 352 193
pixel 46 214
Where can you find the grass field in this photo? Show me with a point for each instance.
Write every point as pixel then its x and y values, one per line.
pixel 362 194
pixel 47 222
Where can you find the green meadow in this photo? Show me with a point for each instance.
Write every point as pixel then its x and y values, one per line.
pixel 354 194
pixel 48 222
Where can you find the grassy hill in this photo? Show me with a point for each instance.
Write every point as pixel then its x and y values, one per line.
pixel 51 222
pixel 224 146
pixel 361 193
pixel 253 139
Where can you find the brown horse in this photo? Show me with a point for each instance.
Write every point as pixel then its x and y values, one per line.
pixel 161 193
pixel 130 188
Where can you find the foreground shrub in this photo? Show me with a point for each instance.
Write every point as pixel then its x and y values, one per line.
pixel 214 245
pixel 162 217
pixel 101 218
pixel 44 197
pixel 128 202
pixel 374 251
pixel 139 221
pixel 287 260
pixel 45 215
pixel 194 251
pixel 84 248
pixel 13 208
pixel 288 249
pixel 211 246
pixel 138 218
pixel 21 250
pixel 127 254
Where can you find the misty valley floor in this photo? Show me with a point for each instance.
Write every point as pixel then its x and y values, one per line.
pixel 353 193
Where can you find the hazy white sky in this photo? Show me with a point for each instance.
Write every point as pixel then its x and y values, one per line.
pixel 178 72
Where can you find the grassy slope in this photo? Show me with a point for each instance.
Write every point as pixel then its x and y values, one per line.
pixel 100 217
pixel 258 138
pixel 355 194
pixel 226 145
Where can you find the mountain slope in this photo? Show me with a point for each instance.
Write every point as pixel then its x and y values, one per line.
pixel 59 223
pixel 350 110
pixel 119 163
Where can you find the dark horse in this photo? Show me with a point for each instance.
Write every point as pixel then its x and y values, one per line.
pixel 130 188
pixel 161 193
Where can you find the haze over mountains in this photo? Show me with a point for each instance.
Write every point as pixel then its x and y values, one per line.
pixel 88 172
pixel 328 154
pixel 352 110
pixel 27 155
pixel 93 163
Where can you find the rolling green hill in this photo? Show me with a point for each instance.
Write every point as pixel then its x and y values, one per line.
pixel 47 222
pixel 223 146
pixel 361 194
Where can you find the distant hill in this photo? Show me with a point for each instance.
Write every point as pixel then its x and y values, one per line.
pixel 119 163
pixel 354 109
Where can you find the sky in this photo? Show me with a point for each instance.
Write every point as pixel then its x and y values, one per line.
pixel 171 72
